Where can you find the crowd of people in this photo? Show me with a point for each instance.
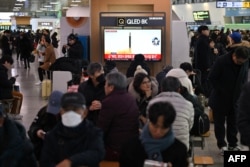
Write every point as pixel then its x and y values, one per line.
pixel 134 116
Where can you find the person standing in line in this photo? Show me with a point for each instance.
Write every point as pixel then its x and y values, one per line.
pixel 243 117
pixel 227 76
pixel 25 49
pixel 7 43
pixel 202 56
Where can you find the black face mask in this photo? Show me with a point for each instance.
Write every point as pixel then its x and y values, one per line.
pixel 100 78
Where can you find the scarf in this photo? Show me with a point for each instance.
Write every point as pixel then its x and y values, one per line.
pixel 154 147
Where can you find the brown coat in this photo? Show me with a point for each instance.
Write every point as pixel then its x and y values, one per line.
pixel 49 57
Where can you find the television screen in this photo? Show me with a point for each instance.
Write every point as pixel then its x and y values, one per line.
pixel 202 17
pixel 123 44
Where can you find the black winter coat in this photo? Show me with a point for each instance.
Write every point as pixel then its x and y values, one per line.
pixel 75 51
pixel 92 93
pixel 82 145
pixel 226 79
pixel 243 120
pixel 46 122
pixel 6 85
pixel 15 148
pixel 133 154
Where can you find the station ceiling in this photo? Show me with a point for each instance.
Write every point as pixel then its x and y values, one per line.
pixel 37 7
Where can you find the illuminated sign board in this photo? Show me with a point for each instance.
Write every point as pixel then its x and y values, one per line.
pixel 202 17
pixel 226 4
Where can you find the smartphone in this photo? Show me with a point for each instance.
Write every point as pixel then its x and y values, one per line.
pixel 152 163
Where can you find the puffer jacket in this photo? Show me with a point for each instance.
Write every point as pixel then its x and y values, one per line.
pixel 6 85
pixel 184 115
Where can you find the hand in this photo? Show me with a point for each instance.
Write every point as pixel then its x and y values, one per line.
pixel 95 105
pixel 64 163
pixel 40 133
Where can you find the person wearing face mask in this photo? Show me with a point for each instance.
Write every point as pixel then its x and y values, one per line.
pixel 93 90
pixel 75 141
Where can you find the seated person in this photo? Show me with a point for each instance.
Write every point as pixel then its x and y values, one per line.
pixel 74 141
pixel 119 115
pixel 157 141
pixel 6 84
pixel 45 120
pixel 15 148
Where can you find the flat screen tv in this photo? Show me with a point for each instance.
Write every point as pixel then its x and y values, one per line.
pixel 123 44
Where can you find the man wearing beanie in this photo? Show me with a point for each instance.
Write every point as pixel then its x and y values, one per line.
pixel 74 141
pixel 45 120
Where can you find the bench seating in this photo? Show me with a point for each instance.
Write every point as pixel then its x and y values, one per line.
pixel 203 160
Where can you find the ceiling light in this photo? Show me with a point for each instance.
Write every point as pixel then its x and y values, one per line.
pixel 43 8
pixel 74 5
pixel 65 7
pixel 76 1
pixel 20 0
pixel 47 6
pixel 54 3
pixel 18 4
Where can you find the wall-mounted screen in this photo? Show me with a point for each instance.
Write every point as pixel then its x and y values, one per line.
pixel 123 44
pixel 202 17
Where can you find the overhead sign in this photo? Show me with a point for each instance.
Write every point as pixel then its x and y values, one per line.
pixel 202 17
pixel 225 4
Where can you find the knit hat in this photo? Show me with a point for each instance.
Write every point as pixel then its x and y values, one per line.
pixel 236 36
pixel 182 76
pixel 139 69
pixel 73 99
pixel 54 103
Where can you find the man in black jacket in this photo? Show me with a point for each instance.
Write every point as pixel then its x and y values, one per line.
pixel 73 48
pixel 227 76
pixel 6 85
pixel 74 141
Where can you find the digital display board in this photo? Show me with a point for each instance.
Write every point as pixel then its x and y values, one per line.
pixel 230 4
pixel 202 17
pixel 123 44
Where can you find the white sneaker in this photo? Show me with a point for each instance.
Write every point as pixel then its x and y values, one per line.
pixel 235 148
pixel 222 150
pixel 38 83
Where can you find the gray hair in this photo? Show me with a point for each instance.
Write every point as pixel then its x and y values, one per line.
pixel 117 79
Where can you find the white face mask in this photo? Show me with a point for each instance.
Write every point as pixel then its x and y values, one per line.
pixel 71 119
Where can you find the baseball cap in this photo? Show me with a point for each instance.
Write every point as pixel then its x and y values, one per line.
pixel 54 103
pixel 236 36
pixel 73 99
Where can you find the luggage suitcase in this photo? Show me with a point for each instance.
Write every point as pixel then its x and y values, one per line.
pixel 46 88
pixel 17 102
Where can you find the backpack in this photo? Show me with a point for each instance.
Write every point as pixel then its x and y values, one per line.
pixel 201 125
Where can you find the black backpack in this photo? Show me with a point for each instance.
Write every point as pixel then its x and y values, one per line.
pixel 201 125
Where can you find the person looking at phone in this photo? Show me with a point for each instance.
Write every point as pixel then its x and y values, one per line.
pixel 73 48
pixel 6 83
pixel 157 141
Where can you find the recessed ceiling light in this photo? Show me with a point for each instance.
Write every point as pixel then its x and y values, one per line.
pixel 47 6
pixel 54 3
pixel 18 4
pixel 74 5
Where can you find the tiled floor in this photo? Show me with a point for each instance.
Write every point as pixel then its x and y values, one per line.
pixel 32 102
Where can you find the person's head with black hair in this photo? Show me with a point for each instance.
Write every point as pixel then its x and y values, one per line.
pixel 72 38
pixel 170 84
pixel 161 115
pixel 96 73
pixel 203 29
pixel 240 55
pixel 141 83
pixel 187 67
pixel 7 61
